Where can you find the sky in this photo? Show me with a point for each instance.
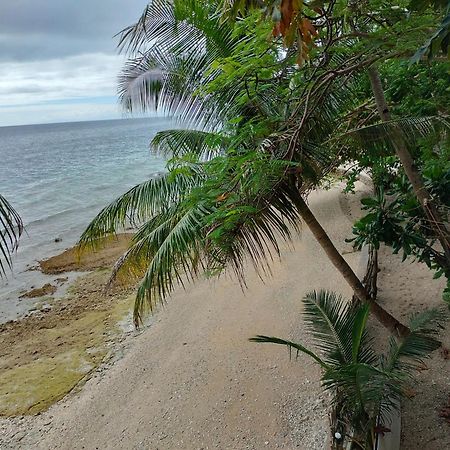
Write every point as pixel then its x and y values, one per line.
pixel 58 59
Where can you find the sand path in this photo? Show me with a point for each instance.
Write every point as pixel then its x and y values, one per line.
pixel 193 381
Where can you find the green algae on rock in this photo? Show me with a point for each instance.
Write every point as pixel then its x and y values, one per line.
pixel 47 355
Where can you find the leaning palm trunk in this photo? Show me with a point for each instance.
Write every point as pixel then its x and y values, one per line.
pixel 371 277
pixel 384 317
pixel 423 196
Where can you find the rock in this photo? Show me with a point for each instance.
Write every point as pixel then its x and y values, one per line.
pixel 47 289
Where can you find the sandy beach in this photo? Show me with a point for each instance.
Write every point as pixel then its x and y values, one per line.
pixel 192 380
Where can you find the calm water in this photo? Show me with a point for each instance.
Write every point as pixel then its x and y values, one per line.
pixel 58 177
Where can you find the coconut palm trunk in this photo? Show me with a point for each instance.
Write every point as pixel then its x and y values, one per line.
pixel 423 196
pixel 383 316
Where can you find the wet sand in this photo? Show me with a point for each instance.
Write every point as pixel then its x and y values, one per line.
pixel 62 340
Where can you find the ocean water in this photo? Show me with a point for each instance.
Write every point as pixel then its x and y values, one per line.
pixel 58 176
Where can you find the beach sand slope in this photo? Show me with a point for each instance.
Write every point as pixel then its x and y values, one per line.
pixel 194 381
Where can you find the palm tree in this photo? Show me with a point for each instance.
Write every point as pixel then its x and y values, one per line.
pixel 10 231
pixel 436 220
pixel 239 175
pixel 366 386
pixel 363 27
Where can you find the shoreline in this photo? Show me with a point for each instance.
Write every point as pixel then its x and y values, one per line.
pixel 56 346
pixel 193 380
pixel 184 327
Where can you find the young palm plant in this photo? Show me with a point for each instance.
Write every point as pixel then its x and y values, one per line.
pixel 365 386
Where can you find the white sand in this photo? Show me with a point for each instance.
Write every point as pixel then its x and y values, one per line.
pixel 193 381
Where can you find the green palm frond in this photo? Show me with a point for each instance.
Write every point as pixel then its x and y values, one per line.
pixel 408 354
pixel 139 204
pixel 191 225
pixel 197 236
pixel 163 81
pixel 11 228
pixel 141 84
pixel 381 137
pixel 179 142
pixel 256 225
pixel 338 328
pixel 156 18
pixel 366 387
pixel 184 38
pixel 291 346
pixel 171 252
pixel 178 24
pixel 365 391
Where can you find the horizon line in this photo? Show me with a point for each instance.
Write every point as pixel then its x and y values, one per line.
pixel 83 121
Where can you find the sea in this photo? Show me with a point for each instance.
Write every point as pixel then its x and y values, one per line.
pixel 58 177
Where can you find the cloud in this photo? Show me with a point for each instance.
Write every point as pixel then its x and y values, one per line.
pixel 58 58
pixel 71 77
pixel 55 90
pixel 31 30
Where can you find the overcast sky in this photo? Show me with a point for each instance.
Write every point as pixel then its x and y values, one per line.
pixel 58 59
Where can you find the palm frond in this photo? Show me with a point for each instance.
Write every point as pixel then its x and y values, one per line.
pixel 179 142
pixel 367 391
pixel 139 204
pixel 157 17
pixel 162 81
pixel 178 24
pixel 333 324
pixel 253 218
pixel 11 228
pixel 381 137
pixel 408 353
pixel 291 346
pixel 179 243
pixel 140 84
pixel 171 252
pixel 184 38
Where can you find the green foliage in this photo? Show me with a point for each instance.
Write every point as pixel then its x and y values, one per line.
pixel 365 386
pixel 418 90
pixel 440 40
pixel 180 142
pixel 394 217
pixel 259 129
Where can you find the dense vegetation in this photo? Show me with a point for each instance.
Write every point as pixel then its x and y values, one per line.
pixel 272 96
pixel 267 119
